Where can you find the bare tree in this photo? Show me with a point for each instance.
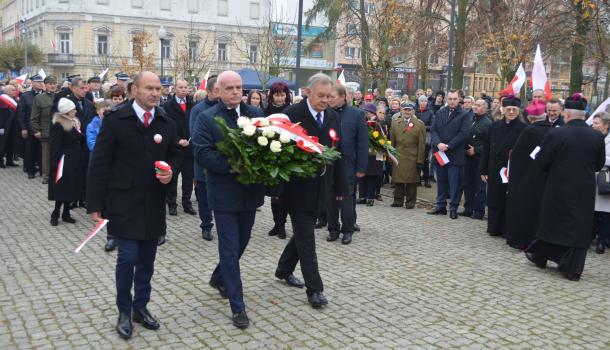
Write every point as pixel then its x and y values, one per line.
pixel 141 60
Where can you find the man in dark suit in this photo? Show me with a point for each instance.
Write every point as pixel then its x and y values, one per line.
pixel 124 189
pixel 32 156
pixel 355 143
pixel 448 134
pixel 553 113
pixel 94 92
pixel 165 94
pixel 233 203
pixel 304 197
pixel 201 192
pixel 178 107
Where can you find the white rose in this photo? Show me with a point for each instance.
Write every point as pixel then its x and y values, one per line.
pixel 265 122
pixel 275 146
pixel 262 140
pixel 269 133
pixel 249 130
pixel 284 138
pixel 243 121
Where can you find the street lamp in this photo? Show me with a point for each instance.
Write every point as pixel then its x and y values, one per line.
pixel 24 32
pixel 162 35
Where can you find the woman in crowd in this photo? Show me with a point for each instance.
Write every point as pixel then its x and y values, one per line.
pixel 67 145
pixel 117 95
pixel 199 95
pixel 601 123
pixel 371 181
pixel 394 110
pixel 255 99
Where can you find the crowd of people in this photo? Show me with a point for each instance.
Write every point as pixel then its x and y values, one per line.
pixel 95 144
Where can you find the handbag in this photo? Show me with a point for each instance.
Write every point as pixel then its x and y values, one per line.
pixel 603 181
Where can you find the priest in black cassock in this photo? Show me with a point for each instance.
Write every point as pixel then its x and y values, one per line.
pixel 527 181
pixel 501 139
pixel 570 155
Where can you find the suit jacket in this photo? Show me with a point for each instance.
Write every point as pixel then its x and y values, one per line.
pixel 121 182
pixel 193 116
pixel 24 110
pixel 309 194
pixel 89 96
pixel 225 193
pixel 452 132
pixel 355 141
pixel 172 108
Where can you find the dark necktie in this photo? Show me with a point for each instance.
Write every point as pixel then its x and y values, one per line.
pixel 232 113
pixel 80 104
pixel 147 116
pixel 319 119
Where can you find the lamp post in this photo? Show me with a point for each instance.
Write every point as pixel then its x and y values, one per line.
pixel 162 35
pixel 24 36
pixel 297 66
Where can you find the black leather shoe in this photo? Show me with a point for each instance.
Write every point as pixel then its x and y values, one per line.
pixel 31 176
pixel 600 248
pixel 477 216
pixel 124 327
pixel 370 202
pixel 571 276
pixel 221 289
pixel 317 300
pixel 54 221
pixel 294 282
pixel 240 320
pixel 465 213
pixel 427 184
pixel 206 235
pixel 395 205
pixel 379 198
pixel 320 224
pixel 347 238
pixel 190 210
pixel 110 245
pixel 281 233
pixel 438 211
pixel 173 211
pixel 68 219
pixel 146 319
pixel 356 227
pixel 161 241
pixel 531 257
pixel 453 214
pixel 332 236
pixel 45 181
pixel 272 232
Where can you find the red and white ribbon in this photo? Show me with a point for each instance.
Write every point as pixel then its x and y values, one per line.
pixel 100 225
pixel 280 123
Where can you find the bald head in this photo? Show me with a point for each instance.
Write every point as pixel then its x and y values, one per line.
pixel 181 88
pixel 229 88
pixel 146 90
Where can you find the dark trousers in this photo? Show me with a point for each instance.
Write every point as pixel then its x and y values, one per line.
pixel 371 184
pixel 346 208
pixel 205 214
pixel 405 194
pixel 234 229
pixel 426 170
pixel 603 233
pixel 302 247
pixel 187 171
pixel 474 187
pixel 279 212
pixel 448 183
pixel 135 265
pixel 32 157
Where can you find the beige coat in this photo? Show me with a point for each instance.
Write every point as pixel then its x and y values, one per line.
pixel 410 143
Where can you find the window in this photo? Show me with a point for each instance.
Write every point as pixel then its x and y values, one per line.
pixel 222 52
pixel 102 44
pixel 193 49
pixel 165 5
pixel 254 9
pixel 352 29
pixel 65 42
pixel 434 59
pixel 350 52
pixel 165 48
pixel 253 53
pixel 368 8
pixel 223 7
pixel 193 6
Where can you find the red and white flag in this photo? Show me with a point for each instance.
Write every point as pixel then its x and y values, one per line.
pixel 8 102
pixel 42 73
pixel 53 46
pixel 341 79
pixel 441 158
pixel 21 79
pixel 100 225
pixel 514 87
pixel 539 80
pixel 60 169
pixel 204 82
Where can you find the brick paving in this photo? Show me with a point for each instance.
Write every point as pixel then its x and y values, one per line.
pixel 408 281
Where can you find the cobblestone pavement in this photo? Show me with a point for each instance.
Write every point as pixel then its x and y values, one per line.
pixel 408 281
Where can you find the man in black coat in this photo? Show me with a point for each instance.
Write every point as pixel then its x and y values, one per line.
pixel 178 107
pixel 125 189
pixel 527 181
pixel 303 198
pixel 553 113
pixel 501 139
pixel 424 113
pixel 95 91
pixel 448 134
pixel 570 155
pixel 355 144
pixel 474 187
pixel 32 156
pixel 233 203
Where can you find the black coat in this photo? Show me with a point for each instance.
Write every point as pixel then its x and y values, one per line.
pixel 24 110
pixel 501 139
pixel 89 96
pixel 478 133
pixel 452 132
pixel 121 180
pixel 309 195
pixel 271 109
pixel 7 123
pixel 194 114
pixel 173 110
pixel 559 122
pixel 71 145
pixel 225 193
pixel 85 114
pixel 354 140
pixel 526 186
pixel 570 156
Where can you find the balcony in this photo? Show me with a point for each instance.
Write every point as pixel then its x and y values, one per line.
pixel 61 59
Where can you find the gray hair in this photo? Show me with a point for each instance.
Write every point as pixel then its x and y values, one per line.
pixel 576 113
pixel 422 98
pixel 484 103
pixel 604 116
pixel 469 98
pixel 318 78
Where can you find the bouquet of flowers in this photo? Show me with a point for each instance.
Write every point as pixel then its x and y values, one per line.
pixel 271 150
pixel 379 142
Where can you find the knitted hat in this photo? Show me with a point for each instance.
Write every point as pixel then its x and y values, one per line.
pixel 64 106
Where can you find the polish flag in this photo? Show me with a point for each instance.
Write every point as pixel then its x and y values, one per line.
pixel 60 169
pixel 7 101
pixel 21 79
pixel 441 158
pixel 204 82
pixel 539 78
pixel 100 225
pixel 341 79
pixel 53 46
pixel 42 73
pixel 515 85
